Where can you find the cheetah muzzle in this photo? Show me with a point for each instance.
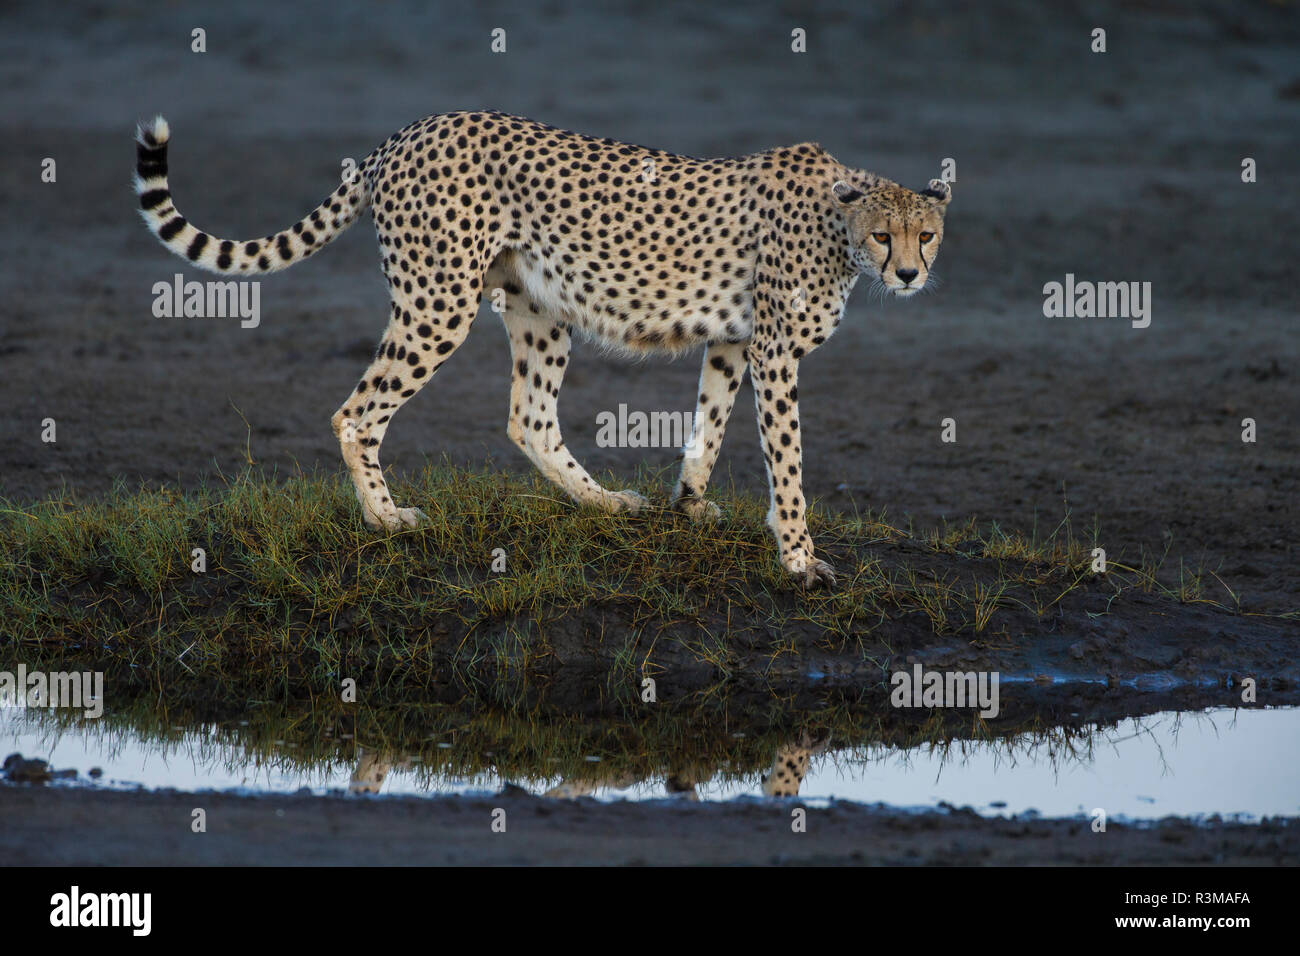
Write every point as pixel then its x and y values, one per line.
pixel 752 258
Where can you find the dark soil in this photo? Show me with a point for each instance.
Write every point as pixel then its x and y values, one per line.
pixel 51 827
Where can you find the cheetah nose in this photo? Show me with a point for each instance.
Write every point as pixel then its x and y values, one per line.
pixel 907 275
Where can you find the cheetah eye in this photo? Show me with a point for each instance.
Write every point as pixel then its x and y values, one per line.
pixel 881 237
pixel 926 237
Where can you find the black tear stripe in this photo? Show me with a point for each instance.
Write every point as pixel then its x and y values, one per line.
pixel 169 229
pixel 154 198
pixel 196 247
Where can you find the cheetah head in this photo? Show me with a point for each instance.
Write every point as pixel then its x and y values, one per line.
pixel 894 233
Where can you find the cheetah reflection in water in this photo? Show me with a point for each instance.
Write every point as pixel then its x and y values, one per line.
pixel 784 779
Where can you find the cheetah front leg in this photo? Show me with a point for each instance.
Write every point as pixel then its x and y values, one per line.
pixel 720 378
pixel 774 375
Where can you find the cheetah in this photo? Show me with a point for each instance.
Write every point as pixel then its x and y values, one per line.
pixel 752 258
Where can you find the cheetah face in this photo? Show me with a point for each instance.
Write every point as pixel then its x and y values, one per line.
pixel 894 233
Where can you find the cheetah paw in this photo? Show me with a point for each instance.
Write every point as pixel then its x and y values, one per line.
pixel 626 501
pixel 410 518
pixel 396 520
pixel 812 573
pixel 814 742
pixel 698 510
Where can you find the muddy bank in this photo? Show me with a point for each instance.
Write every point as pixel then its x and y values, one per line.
pixel 1106 655
pixel 1133 643
pixel 83 827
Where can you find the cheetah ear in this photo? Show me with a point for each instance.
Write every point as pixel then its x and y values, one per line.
pixel 939 190
pixel 846 193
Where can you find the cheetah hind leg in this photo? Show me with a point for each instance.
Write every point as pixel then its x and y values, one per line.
pixel 407 358
pixel 375 518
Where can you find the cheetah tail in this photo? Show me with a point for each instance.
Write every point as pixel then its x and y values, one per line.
pixel 271 254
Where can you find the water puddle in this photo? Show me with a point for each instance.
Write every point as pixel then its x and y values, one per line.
pixel 1219 761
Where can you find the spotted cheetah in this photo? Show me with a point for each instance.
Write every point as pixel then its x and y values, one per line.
pixel 752 258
